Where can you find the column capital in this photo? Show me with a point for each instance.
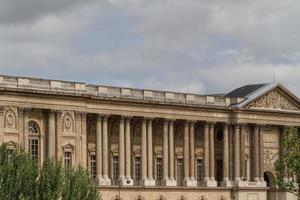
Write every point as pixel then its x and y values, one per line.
pixel 24 110
pixel 149 119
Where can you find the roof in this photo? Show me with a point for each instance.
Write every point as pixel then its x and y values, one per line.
pixel 245 90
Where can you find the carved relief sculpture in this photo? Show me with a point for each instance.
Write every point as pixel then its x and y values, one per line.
pixel 269 158
pixel 273 100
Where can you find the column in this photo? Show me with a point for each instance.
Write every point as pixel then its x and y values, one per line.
pixel 186 154
pixel 261 156
pixel 150 150
pixel 106 179
pixel 212 151
pixel 171 150
pixel 165 151
pixel 99 160
pixel 122 149
pixel 51 134
pixel 20 126
pixel 242 154
pixel 226 182
pixel 193 181
pixel 206 153
pixel 83 140
pixel 25 121
pixel 1 124
pixel 256 153
pixel 150 181
pixel 129 180
pixel 237 168
pixel 144 150
pixel 78 143
pixel 59 150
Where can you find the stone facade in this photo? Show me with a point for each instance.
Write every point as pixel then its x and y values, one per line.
pixel 143 144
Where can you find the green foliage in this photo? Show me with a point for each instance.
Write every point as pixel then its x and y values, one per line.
pixel 287 166
pixel 22 178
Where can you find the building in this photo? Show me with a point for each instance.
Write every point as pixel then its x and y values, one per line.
pixel 153 145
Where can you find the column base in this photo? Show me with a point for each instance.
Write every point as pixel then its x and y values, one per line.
pixel 209 183
pixel 226 183
pixel 190 183
pixel 128 181
pixel 171 182
pixel 240 183
pixel 104 181
pixel 148 182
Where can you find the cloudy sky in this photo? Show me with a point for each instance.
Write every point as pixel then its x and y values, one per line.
pixel 192 45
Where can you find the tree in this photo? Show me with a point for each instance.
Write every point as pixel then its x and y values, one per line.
pixel 22 178
pixel 287 167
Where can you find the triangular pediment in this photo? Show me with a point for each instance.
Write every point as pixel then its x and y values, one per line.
pixel 277 98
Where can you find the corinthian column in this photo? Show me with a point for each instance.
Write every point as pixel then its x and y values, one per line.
pixel 261 157
pixel 150 180
pixel 84 139
pixel 129 180
pixel 212 151
pixel 106 179
pixel 237 157
pixel 165 151
pixel 58 135
pixel 122 149
pixel 186 153
pixel 150 150
pixel 193 181
pixel 206 153
pixel 144 150
pixel 256 153
pixel 51 134
pixel 99 160
pixel 226 182
pixel 171 148
pixel 242 154
pixel 2 124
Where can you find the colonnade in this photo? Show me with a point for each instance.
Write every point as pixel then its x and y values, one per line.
pixel 168 147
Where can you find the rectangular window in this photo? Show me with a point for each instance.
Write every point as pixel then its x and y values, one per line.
pixel 159 169
pixel 34 148
pixel 179 170
pixel 199 170
pixel 137 164
pixel 116 167
pixel 68 159
pixel 93 166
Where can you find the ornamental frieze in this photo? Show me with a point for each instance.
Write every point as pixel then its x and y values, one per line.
pixel 273 100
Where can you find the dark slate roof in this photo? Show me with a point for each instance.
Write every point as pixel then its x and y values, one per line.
pixel 245 90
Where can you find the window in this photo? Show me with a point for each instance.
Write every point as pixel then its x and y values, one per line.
pixel 137 164
pixel 68 159
pixel 116 167
pixel 34 140
pixel 199 170
pixel 93 166
pixel 159 169
pixel 180 170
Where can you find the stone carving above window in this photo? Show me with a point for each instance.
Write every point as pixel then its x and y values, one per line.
pixel 273 100
pixel 10 119
pixel 269 158
pixel 68 123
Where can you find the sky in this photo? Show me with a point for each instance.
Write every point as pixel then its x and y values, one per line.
pixel 195 46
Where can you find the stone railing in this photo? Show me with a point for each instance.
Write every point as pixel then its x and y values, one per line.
pixel 77 88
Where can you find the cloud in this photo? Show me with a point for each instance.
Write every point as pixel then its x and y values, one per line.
pixel 193 45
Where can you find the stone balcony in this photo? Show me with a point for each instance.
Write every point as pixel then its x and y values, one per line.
pixel 99 91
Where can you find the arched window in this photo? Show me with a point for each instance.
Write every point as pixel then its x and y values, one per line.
pixel 34 140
